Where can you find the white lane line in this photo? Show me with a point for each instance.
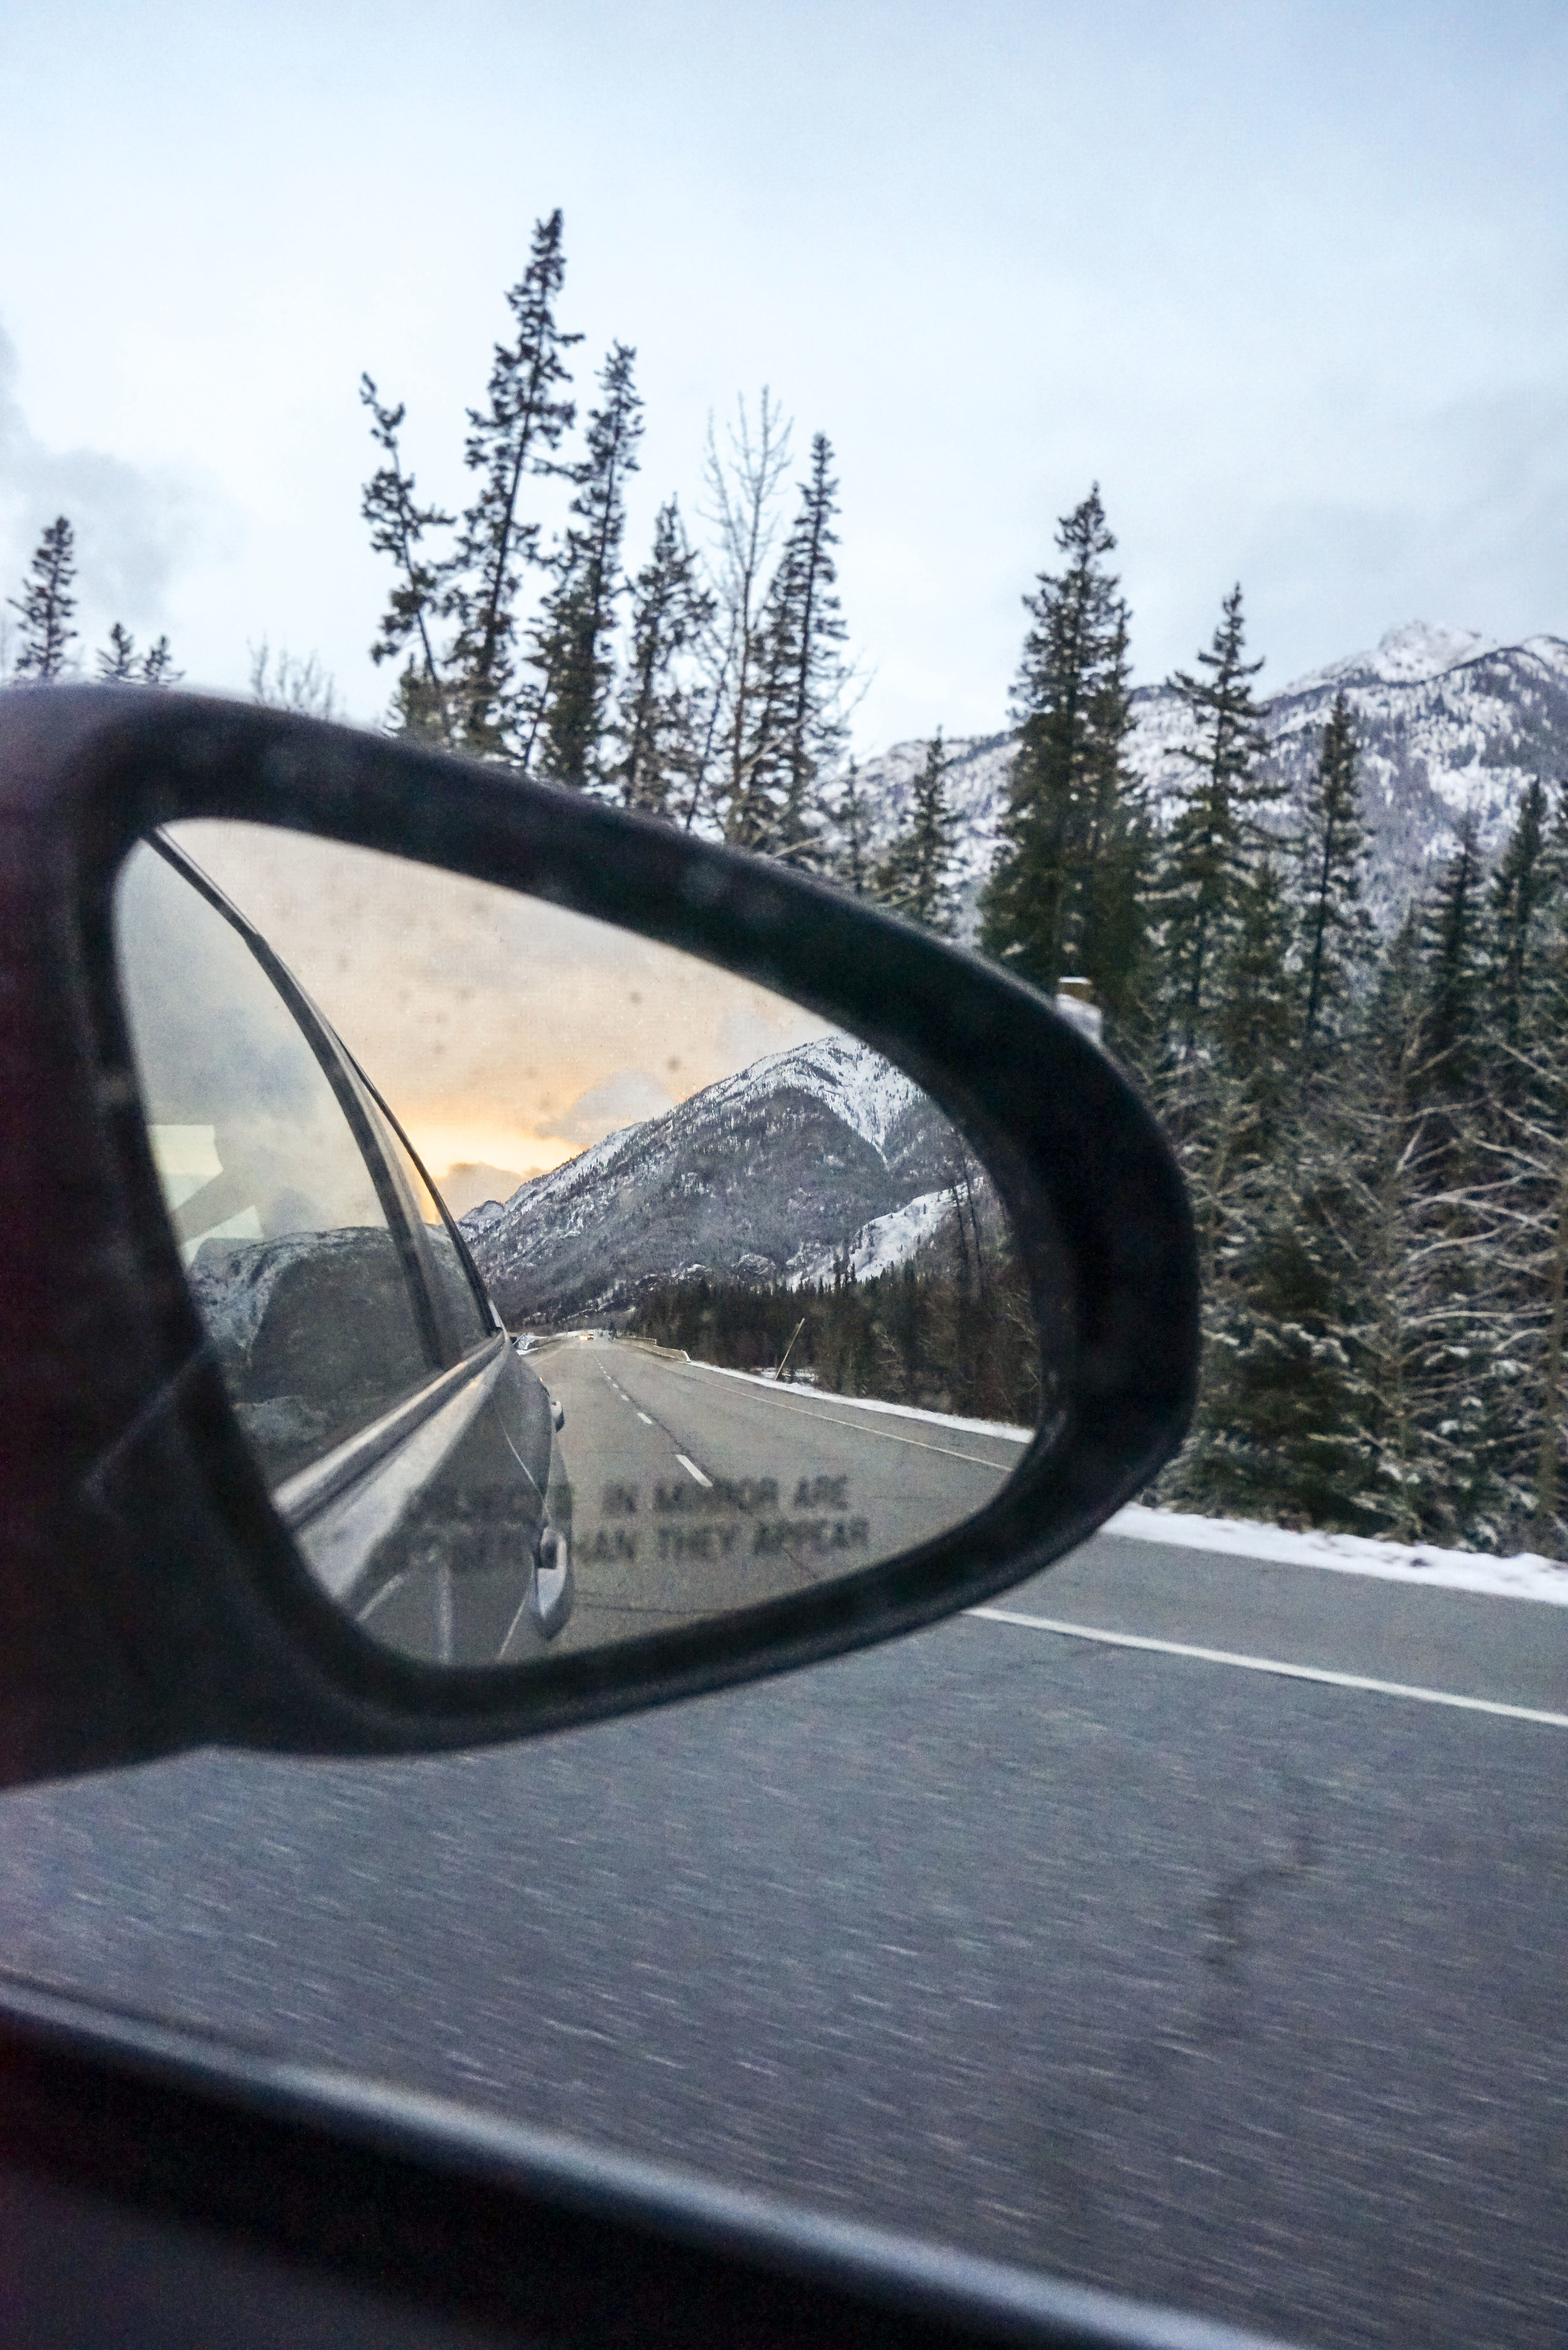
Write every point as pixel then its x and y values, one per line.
pixel 645 1419
pixel 1271 1665
pixel 692 1470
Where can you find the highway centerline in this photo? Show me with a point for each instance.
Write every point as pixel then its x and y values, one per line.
pixel 1270 1665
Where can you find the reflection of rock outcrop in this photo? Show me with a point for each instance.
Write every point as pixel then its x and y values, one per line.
pixel 764 1176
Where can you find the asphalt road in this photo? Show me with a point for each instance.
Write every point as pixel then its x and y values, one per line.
pixel 696 1492
pixel 1238 1990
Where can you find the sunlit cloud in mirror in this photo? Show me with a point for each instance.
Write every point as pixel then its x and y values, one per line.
pixel 507 1035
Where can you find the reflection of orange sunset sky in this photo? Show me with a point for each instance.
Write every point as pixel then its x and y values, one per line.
pixel 502 1030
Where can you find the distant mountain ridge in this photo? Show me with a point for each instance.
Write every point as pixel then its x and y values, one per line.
pixel 1446 720
pixel 811 1154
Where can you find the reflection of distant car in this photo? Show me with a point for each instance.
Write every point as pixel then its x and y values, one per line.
pixel 405 1444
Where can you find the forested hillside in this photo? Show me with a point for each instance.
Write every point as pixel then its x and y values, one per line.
pixel 1327 928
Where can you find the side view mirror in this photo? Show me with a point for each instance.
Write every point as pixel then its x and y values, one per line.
pixel 868 1293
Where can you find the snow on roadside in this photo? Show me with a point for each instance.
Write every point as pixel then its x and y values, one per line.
pixel 805 1389
pixel 1526 1577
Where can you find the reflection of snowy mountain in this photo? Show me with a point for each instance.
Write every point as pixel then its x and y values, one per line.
pixel 1447 720
pixel 767 1176
pixel 888 1241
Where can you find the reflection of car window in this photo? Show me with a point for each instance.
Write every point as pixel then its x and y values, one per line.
pixel 293 1266
pixel 470 1323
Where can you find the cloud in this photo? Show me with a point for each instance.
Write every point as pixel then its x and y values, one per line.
pixel 133 524
pixel 631 1096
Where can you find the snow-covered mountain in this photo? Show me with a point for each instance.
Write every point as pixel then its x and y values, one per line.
pixel 809 1154
pixel 1446 720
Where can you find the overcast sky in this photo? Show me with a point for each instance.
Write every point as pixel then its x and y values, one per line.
pixel 507 1035
pixel 1287 280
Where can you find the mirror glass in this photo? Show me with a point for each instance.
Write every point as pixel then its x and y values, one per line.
pixel 567 1287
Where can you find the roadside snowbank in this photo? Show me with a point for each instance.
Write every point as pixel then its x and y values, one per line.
pixel 1526 1576
pixel 809 1389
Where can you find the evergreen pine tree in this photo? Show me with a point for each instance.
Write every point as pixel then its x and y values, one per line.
pixel 45 606
pixel 571 643
pixel 851 820
pixel 1440 1223
pixel 517 434
pixel 1335 929
pixel 398 527
pixel 1522 1078
pixel 1066 895
pixel 1257 1012
pixel 1215 838
pixel 1453 946
pixel 119 663
pixel 463 692
pixel 1522 885
pixel 797 729
pixel 158 665
pixel 670 607
pixel 913 877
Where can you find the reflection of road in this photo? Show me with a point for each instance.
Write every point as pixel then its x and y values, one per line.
pixel 695 1493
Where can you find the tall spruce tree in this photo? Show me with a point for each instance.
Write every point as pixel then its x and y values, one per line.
pixel 46 605
pixel 914 877
pixel 658 715
pixel 852 821
pixel 1453 945
pixel 796 728
pixel 399 524
pixel 1066 895
pixel 1336 929
pixel 572 642
pixel 1443 1312
pixel 464 690
pixel 1215 839
pixel 1524 884
pixel 1522 1078
pixel 517 434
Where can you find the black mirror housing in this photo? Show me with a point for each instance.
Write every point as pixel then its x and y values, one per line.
pixel 151 1599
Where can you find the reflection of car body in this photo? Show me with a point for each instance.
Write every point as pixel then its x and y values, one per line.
pixel 407 1445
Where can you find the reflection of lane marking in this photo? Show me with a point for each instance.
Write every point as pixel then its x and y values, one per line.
pixel 692 1470
pixel 885 1436
pixel 1271 1665
pixel 645 1419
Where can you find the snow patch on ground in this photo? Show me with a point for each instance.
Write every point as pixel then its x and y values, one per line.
pixel 1526 1576
pixel 1001 1428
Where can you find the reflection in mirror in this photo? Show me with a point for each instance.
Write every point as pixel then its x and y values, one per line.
pixel 566 1288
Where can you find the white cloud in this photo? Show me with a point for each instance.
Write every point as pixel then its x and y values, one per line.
pixel 624 1100
pixel 133 524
